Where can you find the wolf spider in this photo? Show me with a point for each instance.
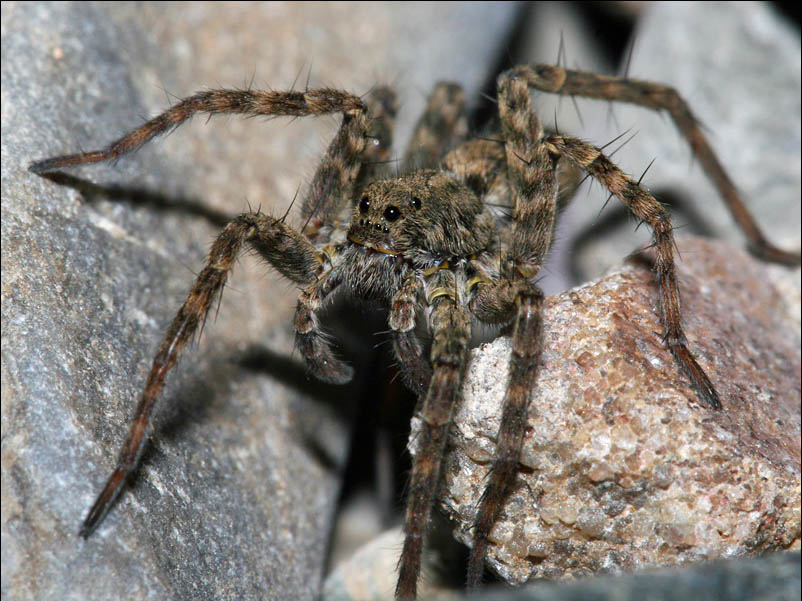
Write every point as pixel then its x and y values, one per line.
pixel 433 245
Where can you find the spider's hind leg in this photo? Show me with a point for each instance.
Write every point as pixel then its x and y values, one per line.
pixel 441 127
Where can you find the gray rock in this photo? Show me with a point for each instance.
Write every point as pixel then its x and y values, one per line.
pixel 773 578
pixel 236 492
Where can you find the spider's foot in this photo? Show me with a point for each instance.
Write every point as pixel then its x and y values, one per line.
pixel 772 254
pixel 67 160
pixel 704 387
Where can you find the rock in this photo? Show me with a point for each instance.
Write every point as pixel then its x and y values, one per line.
pixel 623 466
pixel 237 490
pixel 775 577
pixel 369 574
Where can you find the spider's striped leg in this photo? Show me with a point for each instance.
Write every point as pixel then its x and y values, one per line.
pixel 526 347
pixel 415 370
pixel 310 338
pixel 533 183
pixel 655 96
pixel 442 126
pixel 646 208
pixel 451 330
pixel 336 176
pixel 376 158
pixel 214 102
pixel 287 250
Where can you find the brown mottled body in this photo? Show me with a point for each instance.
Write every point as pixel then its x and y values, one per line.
pixel 434 246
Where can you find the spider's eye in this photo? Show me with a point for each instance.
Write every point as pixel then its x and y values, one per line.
pixel 364 205
pixel 415 203
pixel 391 213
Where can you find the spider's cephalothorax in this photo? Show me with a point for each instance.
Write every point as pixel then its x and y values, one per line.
pixel 428 245
pixel 425 217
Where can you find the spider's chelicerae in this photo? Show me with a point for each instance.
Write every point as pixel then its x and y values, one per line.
pixel 431 245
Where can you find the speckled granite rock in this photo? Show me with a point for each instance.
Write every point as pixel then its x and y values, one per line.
pixel 622 466
pixel 237 490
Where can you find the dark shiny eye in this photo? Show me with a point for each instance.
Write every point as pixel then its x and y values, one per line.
pixel 391 213
pixel 415 203
pixel 364 205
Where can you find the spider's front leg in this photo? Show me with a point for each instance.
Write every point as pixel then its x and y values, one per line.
pixel 511 295
pixel 284 248
pixel 451 334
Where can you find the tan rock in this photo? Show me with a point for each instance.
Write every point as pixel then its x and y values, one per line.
pixel 623 466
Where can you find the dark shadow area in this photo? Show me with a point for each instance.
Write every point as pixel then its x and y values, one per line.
pixel 137 197
pixel 791 11
pixel 382 408
pixel 291 372
pixel 610 24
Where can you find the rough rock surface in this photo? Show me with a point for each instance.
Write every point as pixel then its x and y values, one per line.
pixel 622 465
pixel 774 577
pixel 237 491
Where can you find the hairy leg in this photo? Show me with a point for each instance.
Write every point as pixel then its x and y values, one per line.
pixel 335 176
pixel 415 369
pixel 214 102
pixel 644 206
pixel 526 347
pixel 531 169
pixel 655 96
pixel 442 126
pixel 283 247
pixel 310 338
pixel 451 330
pixel 376 158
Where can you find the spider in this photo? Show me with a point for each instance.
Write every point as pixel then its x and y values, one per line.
pixel 459 236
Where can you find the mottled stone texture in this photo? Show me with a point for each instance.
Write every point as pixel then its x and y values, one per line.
pixel 622 465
